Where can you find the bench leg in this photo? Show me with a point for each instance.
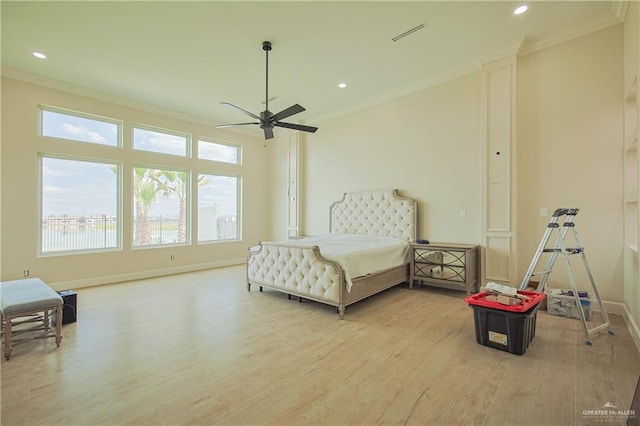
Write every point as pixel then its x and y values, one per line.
pixel 58 325
pixel 46 323
pixel 7 337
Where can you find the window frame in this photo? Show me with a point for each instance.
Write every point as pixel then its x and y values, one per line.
pixel 188 139
pixel 238 148
pixel 238 209
pixel 125 158
pixel 189 208
pixel 73 113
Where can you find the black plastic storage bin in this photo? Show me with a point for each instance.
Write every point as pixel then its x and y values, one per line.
pixel 508 331
pixel 70 306
pixel 510 328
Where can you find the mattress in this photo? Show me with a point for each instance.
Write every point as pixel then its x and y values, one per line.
pixel 359 255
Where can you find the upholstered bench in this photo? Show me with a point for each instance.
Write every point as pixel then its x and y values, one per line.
pixel 25 301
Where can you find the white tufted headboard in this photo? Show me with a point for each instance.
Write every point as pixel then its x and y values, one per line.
pixel 381 212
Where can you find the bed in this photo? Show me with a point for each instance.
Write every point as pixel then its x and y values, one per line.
pixel 303 267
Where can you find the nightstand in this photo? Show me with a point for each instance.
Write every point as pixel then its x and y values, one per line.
pixel 446 265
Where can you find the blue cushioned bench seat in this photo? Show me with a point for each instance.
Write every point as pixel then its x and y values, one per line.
pixel 34 300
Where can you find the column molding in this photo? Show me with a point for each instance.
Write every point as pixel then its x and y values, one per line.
pixel 498 112
pixel 293 221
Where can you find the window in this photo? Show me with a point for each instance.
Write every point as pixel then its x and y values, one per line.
pixel 159 141
pixel 218 151
pixel 79 127
pixel 160 207
pixel 81 186
pixel 218 208
pixel 79 205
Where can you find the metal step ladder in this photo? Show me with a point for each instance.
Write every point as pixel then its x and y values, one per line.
pixel 559 248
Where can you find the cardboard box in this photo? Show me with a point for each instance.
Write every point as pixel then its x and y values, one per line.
pixel 506 300
pixel 563 303
pixel 532 286
pixel 503 300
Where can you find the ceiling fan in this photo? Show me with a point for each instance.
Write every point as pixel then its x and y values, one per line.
pixel 268 120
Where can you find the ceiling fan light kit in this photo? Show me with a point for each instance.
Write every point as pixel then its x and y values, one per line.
pixel 268 120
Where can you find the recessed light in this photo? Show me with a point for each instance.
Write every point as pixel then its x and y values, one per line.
pixel 342 85
pixel 520 9
pixel 39 55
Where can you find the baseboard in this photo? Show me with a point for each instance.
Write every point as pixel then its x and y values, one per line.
pixel 632 326
pixel 621 309
pixel 616 308
pixel 112 279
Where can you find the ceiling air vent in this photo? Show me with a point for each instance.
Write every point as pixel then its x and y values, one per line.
pixel 408 32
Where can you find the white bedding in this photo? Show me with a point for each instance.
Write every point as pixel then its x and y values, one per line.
pixel 359 255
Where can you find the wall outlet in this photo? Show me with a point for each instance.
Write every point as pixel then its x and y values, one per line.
pixel 173 257
pixel 25 272
pixel 463 213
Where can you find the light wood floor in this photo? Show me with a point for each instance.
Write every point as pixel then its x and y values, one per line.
pixel 198 348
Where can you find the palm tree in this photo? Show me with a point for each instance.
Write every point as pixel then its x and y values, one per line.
pixel 145 189
pixel 144 196
pixel 170 183
pixel 174 183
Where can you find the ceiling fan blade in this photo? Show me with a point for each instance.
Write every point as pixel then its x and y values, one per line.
pixel 292 110
pixel 243 110
pixel 296 127
pixel 222 126
pixel 268 132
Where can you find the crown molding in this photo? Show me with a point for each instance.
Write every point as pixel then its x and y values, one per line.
pixel 523 47
pixel 15 74
pixel 545 44
pixel 64 86
pixel 499 55
pixel 620 8
pixel 392 94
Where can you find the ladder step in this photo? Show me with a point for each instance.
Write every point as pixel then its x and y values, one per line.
pixel 536 273
pixel 569 250
pixel 600 327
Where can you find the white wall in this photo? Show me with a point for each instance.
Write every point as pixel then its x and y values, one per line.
pixel 631 43
pixel 1 184
pixel 428 145
pixel 20 147
pixel 569 145
pixel 632 117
